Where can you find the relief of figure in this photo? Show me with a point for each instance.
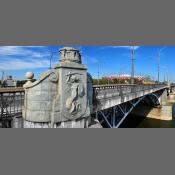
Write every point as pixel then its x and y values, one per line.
pixel 77 90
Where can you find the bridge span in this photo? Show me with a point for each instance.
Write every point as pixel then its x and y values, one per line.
pixel 64 97
pixel 113 103
pixel 106 96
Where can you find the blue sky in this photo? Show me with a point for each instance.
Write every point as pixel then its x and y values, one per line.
pixel 17 60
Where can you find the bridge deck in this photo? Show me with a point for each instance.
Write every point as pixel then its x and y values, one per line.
pixel 111 95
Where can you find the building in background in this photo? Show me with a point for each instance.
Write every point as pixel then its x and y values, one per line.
pixel 9 82
pixel 124 79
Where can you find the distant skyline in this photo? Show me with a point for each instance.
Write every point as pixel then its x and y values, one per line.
pixel 111 60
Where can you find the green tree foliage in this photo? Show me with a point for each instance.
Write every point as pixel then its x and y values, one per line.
pixel 20 83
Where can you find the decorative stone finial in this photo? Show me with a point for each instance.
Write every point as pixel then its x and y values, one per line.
pixel 69 54
pixel 29 76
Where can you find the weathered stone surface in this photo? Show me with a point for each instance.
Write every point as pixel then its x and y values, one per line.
pixel 73 84
pixel 68 54
pixel 80 123
pixel 90 92
pixel 62 95
pixel 39 97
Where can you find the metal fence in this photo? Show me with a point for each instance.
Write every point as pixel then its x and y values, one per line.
pixel 11 103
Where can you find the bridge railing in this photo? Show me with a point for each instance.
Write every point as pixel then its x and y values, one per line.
pixel 120 89
pixel 12 99
pixel 11 102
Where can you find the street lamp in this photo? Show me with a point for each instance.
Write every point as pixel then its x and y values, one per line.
pixel 132 71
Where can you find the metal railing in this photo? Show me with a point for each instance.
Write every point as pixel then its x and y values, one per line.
pixel 11 102
pixel 121 89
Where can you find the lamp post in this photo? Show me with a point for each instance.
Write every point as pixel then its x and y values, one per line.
pixel 164 77
pixel 164 80
pixel 158 68
pixel 98 74
pixel 132 71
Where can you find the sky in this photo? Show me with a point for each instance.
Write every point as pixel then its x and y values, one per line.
pixel 111 60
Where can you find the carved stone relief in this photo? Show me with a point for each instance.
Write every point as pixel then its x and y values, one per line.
pixel 77 91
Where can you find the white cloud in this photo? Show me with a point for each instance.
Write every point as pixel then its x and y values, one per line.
pixel 126 47
pixel 21 51
pixel 23 57
pixel 18 64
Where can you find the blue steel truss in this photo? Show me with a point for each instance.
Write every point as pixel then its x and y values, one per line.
pixel 115 116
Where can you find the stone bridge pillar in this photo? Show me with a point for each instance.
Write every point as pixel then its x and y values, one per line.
pixel 163 98
pixel 172 89
pixel 62 97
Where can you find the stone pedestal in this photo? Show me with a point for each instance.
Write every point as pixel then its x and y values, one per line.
pixel 62 97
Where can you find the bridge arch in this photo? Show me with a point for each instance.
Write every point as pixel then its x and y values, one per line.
pixel 154 99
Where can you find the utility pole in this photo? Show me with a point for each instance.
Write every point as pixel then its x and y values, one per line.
pixel 158 68
pixel 2 77
pixel 51 56
pixel 98 73
pixel 167 77
pixel 132 72
pixel 164 74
